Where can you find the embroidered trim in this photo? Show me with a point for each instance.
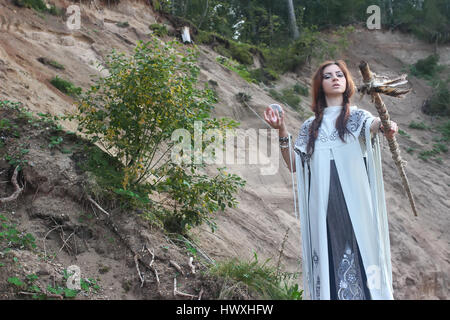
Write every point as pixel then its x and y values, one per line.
pixel 349 284
pixel 353 124
pixel 315 260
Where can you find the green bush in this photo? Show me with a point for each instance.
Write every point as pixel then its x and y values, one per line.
pixel 32 4
pixel 39 5
pixel 427 67
pixel 159 29
pixel 264 75
pixel 439 102
pixel 444 129
pixel 133 114
pixel 235 66
pixel 298 88
pixel 65 86
pixel 124 24
pixel 51 63
pixel 418 125
pixel 288 96
pixel 263 280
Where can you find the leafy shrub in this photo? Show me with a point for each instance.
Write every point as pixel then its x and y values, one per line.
pixel 418 125
pixel 427 67
pixel 287 95
pixel 12 237
pixel 437 149
pixel 444 129
pixel 39 5
pixel 159 29
pixel 133 114
pixel 235 66
pixel 124 24
pixel 65 86
pixel 310 44
pixel 262 279
pixel 438 103
pixel 264 75
pixel 32 4
pixel 51 63
pixel 298 88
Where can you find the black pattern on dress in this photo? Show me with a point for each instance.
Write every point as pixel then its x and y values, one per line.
pixel 347 275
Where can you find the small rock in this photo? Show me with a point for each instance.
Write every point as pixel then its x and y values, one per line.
pixel 43 270
pixel 409 281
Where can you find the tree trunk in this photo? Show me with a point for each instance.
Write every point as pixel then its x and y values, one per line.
pixel 292 22
pixel 204 15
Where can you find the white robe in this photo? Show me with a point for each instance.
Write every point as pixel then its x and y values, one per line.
pixel 364 196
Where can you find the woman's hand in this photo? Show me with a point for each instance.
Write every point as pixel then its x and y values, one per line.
pixel 272 118
pixel 391 132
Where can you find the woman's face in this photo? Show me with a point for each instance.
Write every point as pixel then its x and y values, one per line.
pixel 334 81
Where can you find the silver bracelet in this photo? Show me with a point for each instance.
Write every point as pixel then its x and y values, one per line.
pixel 285 139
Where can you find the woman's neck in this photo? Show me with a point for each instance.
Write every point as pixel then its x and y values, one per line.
pixel 336 100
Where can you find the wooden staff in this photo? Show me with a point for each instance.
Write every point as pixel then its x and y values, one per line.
pixel 373 88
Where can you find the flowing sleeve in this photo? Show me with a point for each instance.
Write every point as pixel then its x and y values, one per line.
pixel 380 211
pixel 302 165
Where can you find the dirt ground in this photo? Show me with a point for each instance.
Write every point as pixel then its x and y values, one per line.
pixel 265 214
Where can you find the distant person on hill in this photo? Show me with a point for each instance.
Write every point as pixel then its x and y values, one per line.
pixel 343 219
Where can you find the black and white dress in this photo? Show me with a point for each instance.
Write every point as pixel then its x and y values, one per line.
pixel 345 239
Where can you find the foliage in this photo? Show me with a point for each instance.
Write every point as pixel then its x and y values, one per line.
pixel 32 4
pixel 438 103
pixel 262 279
pixel 243 97
pixel 444 129
pixel 240 69
pixel 418 125
pixel 124 24
pixel 51 62
pixel 437 149
pixel 265 75
pixel 426 68
pixel 39 5
pixel 266 23
pixel 288 96
pixel 65 86
pixel 13 238
pixel 133 114
pixel 159 29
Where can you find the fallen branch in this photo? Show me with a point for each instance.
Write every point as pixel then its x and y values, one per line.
pixel 179 293
pixel 18 190
pixel 98 206
pixel 48 295
pixel 153 268
pixel 136 257
pixel 173 263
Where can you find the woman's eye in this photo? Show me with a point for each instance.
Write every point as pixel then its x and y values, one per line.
pixel 340 75
pixel 327 76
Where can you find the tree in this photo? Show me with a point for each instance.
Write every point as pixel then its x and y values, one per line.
pixel 133 113
pixel 292 21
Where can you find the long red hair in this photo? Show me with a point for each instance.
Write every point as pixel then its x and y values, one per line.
pixel 319 102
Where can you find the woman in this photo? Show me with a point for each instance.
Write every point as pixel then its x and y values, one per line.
pixel 343 220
